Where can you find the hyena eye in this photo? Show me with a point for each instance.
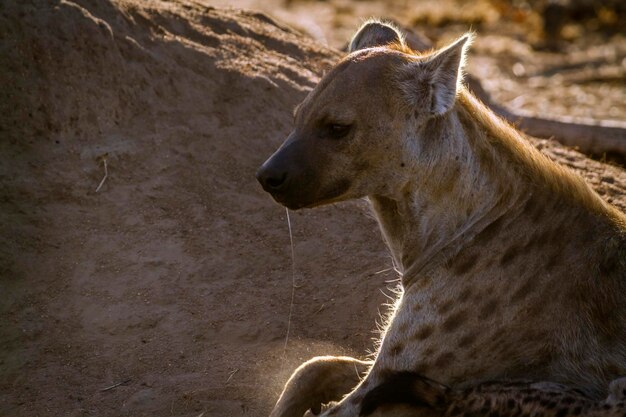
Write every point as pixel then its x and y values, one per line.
pixel 337 131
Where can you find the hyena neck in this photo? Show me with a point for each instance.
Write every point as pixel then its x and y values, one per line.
pixel 460 185
pixel 471 169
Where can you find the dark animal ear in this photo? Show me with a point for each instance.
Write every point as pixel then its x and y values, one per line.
pixel 430 84
pixel 617 391
pixel 375 33
pixel 406 388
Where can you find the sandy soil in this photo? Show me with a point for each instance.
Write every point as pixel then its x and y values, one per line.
pixel 174 279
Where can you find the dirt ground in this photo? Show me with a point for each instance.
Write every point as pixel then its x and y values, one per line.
pixel 167 291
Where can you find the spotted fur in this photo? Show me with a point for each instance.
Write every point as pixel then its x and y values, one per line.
pixel 512 266
pixel 406 394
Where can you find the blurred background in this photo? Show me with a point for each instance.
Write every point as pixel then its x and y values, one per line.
pixel 561 57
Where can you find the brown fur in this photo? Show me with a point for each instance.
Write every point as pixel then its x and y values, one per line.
pixel 512 266
pixel 324 379
pixel 407 394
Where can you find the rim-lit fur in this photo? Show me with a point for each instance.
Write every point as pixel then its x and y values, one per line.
pixel 512 266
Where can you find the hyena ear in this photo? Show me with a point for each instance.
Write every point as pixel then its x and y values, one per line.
pixel 375 33
pixel 617 391
pixel 430 84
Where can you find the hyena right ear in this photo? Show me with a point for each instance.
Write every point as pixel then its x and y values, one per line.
pixel 431 82
pixel 375 33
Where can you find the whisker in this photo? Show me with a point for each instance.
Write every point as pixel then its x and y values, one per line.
pixel 293 285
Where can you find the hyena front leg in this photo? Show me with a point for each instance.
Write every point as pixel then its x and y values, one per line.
pixel 319 381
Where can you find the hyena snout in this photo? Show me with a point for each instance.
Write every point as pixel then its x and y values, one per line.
pixel 288 176
pixel 276 174
pixel 302 175
pixel 272 180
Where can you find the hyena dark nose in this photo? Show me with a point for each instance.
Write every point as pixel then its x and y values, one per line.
pixel 271 180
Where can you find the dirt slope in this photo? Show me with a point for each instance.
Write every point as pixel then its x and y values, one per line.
pixel 174 278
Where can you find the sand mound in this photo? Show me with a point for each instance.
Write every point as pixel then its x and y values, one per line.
pixel 174 278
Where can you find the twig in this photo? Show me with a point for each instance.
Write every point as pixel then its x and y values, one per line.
pixel 232 373
pixel 106 173
pixel 116 385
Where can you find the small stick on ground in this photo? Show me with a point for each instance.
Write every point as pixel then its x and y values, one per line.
pixel 230 376
pixel 320 309
pixel 116 385
pixel 106 172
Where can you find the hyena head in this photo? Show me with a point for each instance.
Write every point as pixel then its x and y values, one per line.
pixel 360 131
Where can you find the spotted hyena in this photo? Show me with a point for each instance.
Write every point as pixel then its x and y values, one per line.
pixel 512 266
pixel 411 395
